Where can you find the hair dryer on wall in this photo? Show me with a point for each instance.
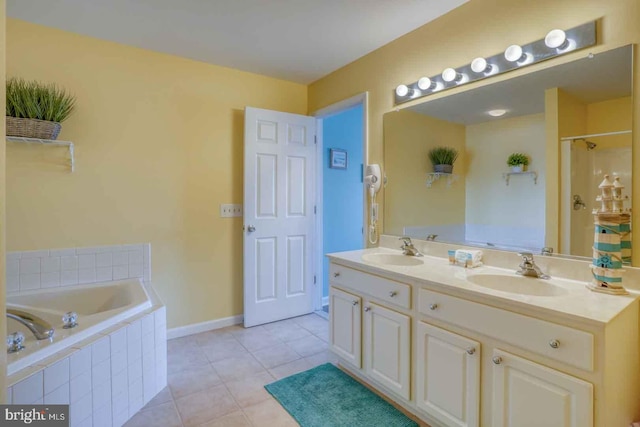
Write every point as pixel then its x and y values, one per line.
pixel 373 180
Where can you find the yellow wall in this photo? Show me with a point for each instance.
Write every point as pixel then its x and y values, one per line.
pixel 610 116
pixel 3 226
pixel 158 148
pixel 478 28
pixel 409 202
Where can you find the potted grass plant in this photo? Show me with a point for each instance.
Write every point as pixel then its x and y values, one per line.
pixel 443 158
pixel 35 110
pixel 518 162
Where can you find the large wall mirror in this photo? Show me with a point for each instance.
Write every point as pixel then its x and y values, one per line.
pixel 574 123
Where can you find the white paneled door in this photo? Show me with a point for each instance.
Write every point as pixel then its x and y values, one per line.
pixel 279 222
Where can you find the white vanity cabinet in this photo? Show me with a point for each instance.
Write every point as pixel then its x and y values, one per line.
pixel 345 322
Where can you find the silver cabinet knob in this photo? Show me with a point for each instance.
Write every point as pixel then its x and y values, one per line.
pixel 433 306
pixel 471 350
pixel 393 294
pixel 336 274
pixel 497 360
pixel 554 343
pixel 251 229
pixel 367 309
pixel 354 302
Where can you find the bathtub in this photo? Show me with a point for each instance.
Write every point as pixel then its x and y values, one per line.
pixel 99 306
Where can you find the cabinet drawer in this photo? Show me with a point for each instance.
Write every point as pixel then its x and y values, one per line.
pixel 554 341
pixel 376 286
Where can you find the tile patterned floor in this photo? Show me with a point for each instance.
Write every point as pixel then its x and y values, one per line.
pixel 216 378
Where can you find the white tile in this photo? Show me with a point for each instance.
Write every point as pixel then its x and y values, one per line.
pixel 121 258
pixel 87 261
pixel 135 270
pixel 135 257
pixel 119 383
pixel 34 254
pixel 134 370
pixel 81 409
pixel 146 274
pixel 87 422
pixel 137 247
pixel 86 251
pixel 29 265
pixel 102 416
pixel 104 274
pixel 49 264
pixel 9 395
pixel 146 254
pixel 80 361
pixel 56 375
pixel 69 277
pixel 105 249
pixel 118 340
pixel 148 343
pixel 134 341
pixel 149 387
pixel 120 272
pixel 101 373
pixel 50 280
pixel 80 387
pixel 104 259
pixel 69 262
pixel 13 283
pixel 100 350
pixel 62 252
pixel 119 362
pixel 13 267
pixel 135 397
pixel 147 324
pixel 87 275
pixel 101 395
pixel 29 281
pixel 120 418
pixel 29 390
pixel 161 316
pixel 59 396
pixel 13 255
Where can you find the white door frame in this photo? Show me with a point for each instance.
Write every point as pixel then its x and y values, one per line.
pixel 323 113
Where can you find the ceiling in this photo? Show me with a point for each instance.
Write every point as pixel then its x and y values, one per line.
pixel 295 40
pixel 605 76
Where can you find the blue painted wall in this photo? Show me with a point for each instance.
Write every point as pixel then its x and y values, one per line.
pixel 342 188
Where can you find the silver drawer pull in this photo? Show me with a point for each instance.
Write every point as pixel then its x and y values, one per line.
pixel 393 294
pixel 367 309
pixel 554 343
pixel 433 306
pixel 497 360
pixel 354 302
pixel 336 274
pixel 471 350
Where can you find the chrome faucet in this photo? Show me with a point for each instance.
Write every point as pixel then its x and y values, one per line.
pixel 40 328
pixel 408 248
pixel 432 237
pixel 528 267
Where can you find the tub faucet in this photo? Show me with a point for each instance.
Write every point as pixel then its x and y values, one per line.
pixel 40 328
pixel 528 267
pixel 408 248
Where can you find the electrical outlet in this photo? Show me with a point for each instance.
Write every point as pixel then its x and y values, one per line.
pixel 229 210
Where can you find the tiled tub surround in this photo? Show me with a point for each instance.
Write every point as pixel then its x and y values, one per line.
pixel 50 268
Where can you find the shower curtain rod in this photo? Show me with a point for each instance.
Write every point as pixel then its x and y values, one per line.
pixel 594 135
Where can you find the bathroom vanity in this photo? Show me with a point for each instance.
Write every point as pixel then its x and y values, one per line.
pixel 484 347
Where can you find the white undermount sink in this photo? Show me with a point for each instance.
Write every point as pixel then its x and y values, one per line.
pixel 517 284
pixel 392 259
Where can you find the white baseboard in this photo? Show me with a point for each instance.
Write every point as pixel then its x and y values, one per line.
pixel 325 301
pixel 196 328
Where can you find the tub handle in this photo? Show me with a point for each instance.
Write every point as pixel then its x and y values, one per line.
pixel 70 320
pixel 15 342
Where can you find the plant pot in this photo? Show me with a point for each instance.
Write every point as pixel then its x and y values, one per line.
pixel 443 168
pixel 32 128
pixel 517 168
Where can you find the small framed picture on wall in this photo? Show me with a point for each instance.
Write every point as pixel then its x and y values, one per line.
pixel 338 159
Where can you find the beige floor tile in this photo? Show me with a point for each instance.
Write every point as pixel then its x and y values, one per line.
pixel 294 367
pixel 308 346
pixel 163 397
pixel 207 338
pixel 234 419
pixel 192 380
pixel 276 356
pixel 164 415
pixel 250 390
pixel 287 331
pixel 205 406
pixel 179 359
pixel 269 413
pixel 324 335
pixel 238 367
pixel 322 358
pixel 225 349
pixel 257 339
pixel 279 323
pixel 183 343
pixel 313 323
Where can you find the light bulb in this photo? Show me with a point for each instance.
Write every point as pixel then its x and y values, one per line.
pixel 402 90
pixel 514 53
pixel 425 83
pixel 556 39
pixel 480 65
pixel 497 113
pixel 449 75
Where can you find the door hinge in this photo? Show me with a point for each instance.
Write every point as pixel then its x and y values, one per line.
pixel 315 209
pixel 314 279
pixel 315 139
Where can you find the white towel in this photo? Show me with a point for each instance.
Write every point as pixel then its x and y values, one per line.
pixel 469 258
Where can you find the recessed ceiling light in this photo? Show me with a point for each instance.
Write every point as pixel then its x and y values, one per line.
pixel 497 113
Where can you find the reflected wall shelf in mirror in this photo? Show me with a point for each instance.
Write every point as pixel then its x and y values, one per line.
pixel 533 174
pixel 51 142
pixel 435 176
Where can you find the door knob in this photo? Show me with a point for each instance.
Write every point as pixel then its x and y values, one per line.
pixel 433 306
pixel 471 350
pixel 367 309
pixel 554 343
pixel 354 302
pixel 251 229
pixel 497 360
pixel 336 274
pixel 393 294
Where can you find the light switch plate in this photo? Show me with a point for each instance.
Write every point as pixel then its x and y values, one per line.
pixel 230 210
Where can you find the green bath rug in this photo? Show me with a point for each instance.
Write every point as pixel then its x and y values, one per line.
pixel 327 397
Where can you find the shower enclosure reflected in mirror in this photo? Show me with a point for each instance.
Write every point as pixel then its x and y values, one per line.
pixel 573 121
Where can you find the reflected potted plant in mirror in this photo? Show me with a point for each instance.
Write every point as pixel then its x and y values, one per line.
pixel 443 158
pixel 518 162
pixel 35 110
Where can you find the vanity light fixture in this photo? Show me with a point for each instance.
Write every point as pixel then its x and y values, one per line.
pixel 497 113
pixel 556 42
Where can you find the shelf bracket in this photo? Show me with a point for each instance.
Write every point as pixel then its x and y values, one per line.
pixel 435 176
pixel 507 175
pixel 56 143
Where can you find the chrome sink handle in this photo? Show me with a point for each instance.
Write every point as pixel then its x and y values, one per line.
pixel 528 267
pixel 408 248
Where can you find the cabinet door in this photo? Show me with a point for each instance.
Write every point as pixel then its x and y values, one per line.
pixel 527 394
pixel 388 348
pixel 448 376
pixel 345 333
